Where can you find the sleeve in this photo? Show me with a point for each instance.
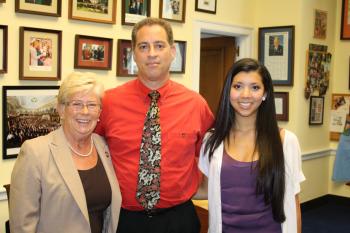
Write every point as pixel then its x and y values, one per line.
pixel 293 156
pixel 25 193
pixel 207 119
pixel 203 162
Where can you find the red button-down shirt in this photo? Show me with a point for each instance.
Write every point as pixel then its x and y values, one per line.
pixel 184 119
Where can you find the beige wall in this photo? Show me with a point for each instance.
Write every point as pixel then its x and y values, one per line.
pixel 245 13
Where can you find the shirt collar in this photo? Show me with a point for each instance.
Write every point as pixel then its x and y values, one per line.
pixel 163 90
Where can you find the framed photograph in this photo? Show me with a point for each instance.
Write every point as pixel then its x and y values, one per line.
pixel 316 110
pixel 39 54
pixel 178 64
pixel 93 52
pixel 126 66
pixel 94 11
pixel 276 52
pixel 282 106
pixel 39 7
pixel 320 24
pixel 28 112
pixel 345 20
pixel 208 6
pixel 3 49
pixel 172 10
pixel 134 11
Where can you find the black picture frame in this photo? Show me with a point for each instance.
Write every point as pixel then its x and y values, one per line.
pixel 132 14
pixel 282 105
pixel 207 6
pixel 48 8
pixel 179 62
pixel 24 108
pixel 93 52
pixel 171 10
pixel 316 110
pixel 3 48
pixel 276 52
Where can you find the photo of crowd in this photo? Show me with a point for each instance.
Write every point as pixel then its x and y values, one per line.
pixel 29 117
pixel 96 6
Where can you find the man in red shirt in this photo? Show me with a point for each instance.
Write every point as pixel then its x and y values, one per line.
pixel 184 118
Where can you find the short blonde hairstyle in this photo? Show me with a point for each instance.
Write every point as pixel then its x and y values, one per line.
pixel 79 82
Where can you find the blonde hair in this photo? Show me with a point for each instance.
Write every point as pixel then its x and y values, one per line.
pixel 79 82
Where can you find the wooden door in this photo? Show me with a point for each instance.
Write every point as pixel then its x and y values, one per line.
pixel 216 57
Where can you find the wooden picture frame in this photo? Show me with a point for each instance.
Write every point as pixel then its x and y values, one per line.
pixel 179 62
pixel 3 48
pixel 172 10
pixel 349 74
pixel 282 105
pixel 46 7
pixel 2 1
pixel 276 52
pixel 320 24
pixel 93 12
pixel 126 66
pixel 134 11
pixel 39 54
pixel 345 21
pixel 316 110
pixel 207 6
pixel 28 112
pixel 93 52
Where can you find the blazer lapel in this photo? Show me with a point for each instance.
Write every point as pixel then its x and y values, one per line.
pixel 62 156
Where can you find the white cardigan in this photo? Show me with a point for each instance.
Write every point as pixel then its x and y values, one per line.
pixel 294 176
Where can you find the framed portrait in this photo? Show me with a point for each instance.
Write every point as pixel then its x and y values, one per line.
pixel 39 54
pixel 93 52
pixel 134 11
pixel 178 64
pixel 39 7
pixel 94 11
pixel 28 112
pixel 316 110
pixel 126 65
pixel 320 24
pixel 172 10
pixel 208 6
pixel 276 52
pixel 345 20
pixel 282 106
pixel 3 49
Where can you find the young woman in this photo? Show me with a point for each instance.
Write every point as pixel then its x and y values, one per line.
pixel 253 167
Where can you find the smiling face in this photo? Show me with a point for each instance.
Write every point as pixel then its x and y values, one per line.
pixel 153 54
pixel 247 92
pixel 80 115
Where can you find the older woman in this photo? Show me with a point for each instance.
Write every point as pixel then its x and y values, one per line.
pixel 64 181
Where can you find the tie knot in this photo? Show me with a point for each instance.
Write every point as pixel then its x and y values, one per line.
pixel 154 95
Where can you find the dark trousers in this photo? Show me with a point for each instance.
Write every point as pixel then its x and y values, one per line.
pixel 179 219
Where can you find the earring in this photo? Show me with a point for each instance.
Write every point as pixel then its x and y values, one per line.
pixel 263 98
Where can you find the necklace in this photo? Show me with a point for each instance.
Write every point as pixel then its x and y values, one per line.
pixel 80 154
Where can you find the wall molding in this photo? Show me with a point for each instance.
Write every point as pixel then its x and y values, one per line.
pixel 305 156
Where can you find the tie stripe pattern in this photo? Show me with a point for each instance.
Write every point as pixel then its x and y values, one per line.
pixel 148 184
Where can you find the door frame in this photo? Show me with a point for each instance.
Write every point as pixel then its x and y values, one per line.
pixel 243 35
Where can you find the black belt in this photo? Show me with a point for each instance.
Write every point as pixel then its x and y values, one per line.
pixel 157 211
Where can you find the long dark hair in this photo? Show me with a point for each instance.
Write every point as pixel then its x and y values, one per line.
pixel 270 166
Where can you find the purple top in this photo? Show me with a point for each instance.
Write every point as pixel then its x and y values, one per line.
pixel 242 210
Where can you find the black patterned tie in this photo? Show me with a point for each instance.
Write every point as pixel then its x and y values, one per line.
pixel 148 184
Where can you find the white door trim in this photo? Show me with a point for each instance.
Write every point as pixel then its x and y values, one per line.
pixel 243 35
